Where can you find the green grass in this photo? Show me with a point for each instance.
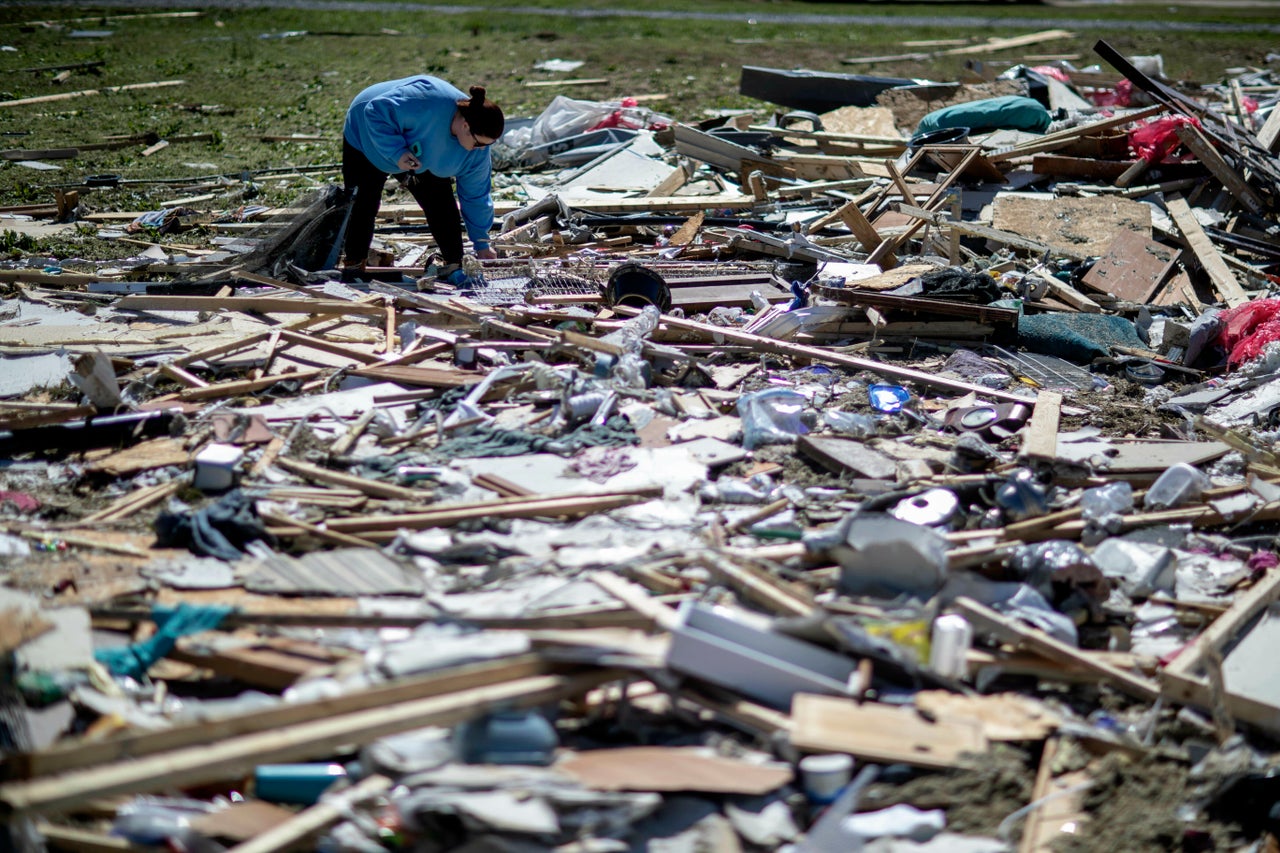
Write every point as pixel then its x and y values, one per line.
pixel 243 78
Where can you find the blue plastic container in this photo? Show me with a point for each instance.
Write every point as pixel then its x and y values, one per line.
pixel 301 784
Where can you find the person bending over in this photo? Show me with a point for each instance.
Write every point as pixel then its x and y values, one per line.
pixel 430 135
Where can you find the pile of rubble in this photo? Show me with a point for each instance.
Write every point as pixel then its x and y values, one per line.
pixel 904 486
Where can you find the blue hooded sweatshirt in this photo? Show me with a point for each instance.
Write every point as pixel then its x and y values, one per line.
pixel 415 114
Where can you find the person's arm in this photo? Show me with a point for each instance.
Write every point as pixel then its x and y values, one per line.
pixel 385 135
pixel 476 202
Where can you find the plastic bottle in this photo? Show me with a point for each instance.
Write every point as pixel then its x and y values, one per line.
pixel 771 416
pixel 949 645
pixel 301 784
pixel 1179 484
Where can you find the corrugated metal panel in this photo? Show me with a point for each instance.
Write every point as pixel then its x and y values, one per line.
pixel 342 572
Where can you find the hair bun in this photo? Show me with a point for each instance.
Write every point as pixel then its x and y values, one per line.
pixel 477 96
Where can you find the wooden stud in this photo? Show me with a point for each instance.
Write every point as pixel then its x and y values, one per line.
pixel 237 756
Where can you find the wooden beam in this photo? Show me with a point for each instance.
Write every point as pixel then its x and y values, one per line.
pixel 260 304
pixel 377 489
pixel 988 620
pixel 65 756
pixel 237 756
pixel 1206 153
pixel 827 356
pixel 1040 441
pixel 973 229
pixel 386 526
pixel 309 821
pixel 1224 281
pixel 66 96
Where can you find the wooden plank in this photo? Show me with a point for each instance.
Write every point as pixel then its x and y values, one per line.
pixel 1243 610
pixel 1224 281
pixel 66 756
pixel 827 356
pixel 309 821
pixel 1132 268
pixel 988 620
pixel 1046 824
pixel 1062 138
pixel 757 587
pixel 66 96
pixel 237 756
pixel 881 734
pixel 77 840
pixel 993 44
pixel 1206 153
pixel 273 664
pixel 376 488
pixel 637 598
pixel 973 229
pixel 1269 136
pixel 260 304
pixel 239 386
pixel 386 526
pixel 1040 441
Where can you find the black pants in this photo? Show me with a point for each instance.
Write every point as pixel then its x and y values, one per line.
pixel 433 193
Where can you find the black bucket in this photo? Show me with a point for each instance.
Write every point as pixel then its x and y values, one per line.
pixel 637 286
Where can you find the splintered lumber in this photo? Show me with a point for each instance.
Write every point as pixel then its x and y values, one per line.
pixel 65 756
pixel 1269 136
pixel 1063 138
pixel 825 356
pixel 1206 153
pixel 241 386
pixel 237 756
pixel 1040 441
pixel 987 620
pixel 973 229
pixel 375 488
pixel 386 526
pixel 66 96
pixel 883 734
pixel 136 501
pixel 637 598
pixel 1224 281
pixel 307 822
pixel 756 585
pixel 260 304
pixel 1182 680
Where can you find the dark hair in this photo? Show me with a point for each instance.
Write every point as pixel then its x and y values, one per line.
pixel 483 116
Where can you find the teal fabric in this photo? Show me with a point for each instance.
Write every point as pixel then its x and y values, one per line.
pixel 173 622
pixel 1012 112
pixel 1076 337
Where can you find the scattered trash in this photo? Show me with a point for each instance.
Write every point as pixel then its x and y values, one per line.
pixel 775 487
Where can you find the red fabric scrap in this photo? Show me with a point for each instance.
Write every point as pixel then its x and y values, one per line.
pixel 1248 328
pixel 1155 141
pixel 21 501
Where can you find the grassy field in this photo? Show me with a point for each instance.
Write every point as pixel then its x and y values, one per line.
pixel 251 73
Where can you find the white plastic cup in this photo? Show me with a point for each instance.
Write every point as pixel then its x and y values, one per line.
pixel 825 776
pixel 949 645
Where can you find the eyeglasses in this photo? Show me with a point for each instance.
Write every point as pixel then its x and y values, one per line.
pixel 475 140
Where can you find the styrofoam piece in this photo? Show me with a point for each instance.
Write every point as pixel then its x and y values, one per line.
pixel 215 466
pixel 725 648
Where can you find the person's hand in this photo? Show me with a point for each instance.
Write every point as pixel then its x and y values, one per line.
pixel 486 254
pixel 408 163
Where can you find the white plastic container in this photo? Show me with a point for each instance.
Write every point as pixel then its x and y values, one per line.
pixel 949 645
pixel 824 776
pixel 216 467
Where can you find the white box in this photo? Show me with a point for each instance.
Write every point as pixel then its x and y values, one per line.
pixel 216 467
pixel 724 648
